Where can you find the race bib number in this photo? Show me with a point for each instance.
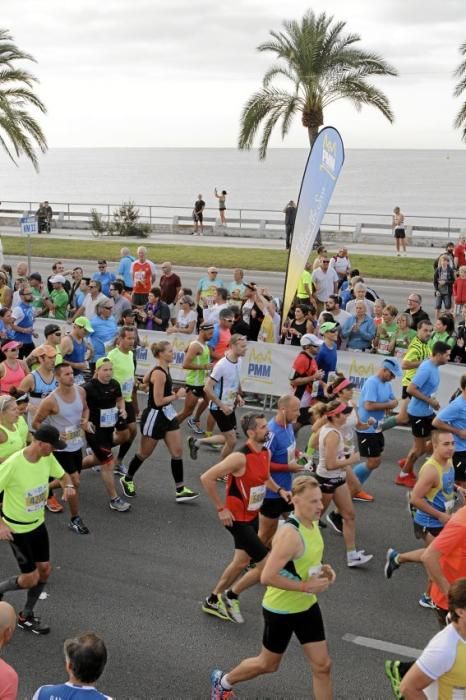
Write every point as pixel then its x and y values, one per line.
pixel 383 346
pixel 36 499
pixel 72 436
pixel 256 497
pixel 169 412
pixel 291 450
pixel 458 694
pixel 449 505
pixel 139 276
pixel 108 417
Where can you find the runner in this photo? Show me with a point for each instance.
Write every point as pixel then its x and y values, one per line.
pixel 433 498
pixel 197 363
pixel 293 574
pixel 306 377
pixel 331 476
pixel 75 350
pixel 282 445
pixel 12 370
pixel 158 422
pixel 122 359
pixel 106 414
pixel 223 389
pixel 418 351
pixel 14 431
pixel 22 524
pixel 52 335
pixel 453 419
pixel 422 403
pixel 66 410
pixel 248 473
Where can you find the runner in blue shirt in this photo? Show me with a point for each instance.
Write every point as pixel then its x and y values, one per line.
pixel 453 419
pixel 421 408
pixel 326 358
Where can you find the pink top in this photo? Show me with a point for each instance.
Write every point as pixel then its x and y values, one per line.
pixel 8 682
pixel 12 377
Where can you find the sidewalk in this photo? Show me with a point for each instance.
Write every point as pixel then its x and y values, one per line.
pixel 222 242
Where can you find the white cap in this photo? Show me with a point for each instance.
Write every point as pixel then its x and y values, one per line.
pixel 310 339
pixel 57 278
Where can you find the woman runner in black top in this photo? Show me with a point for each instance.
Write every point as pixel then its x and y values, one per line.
pixel 158 422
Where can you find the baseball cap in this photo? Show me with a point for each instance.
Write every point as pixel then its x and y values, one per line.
pixel 328 326
pixel 310 339
pixel 55 279
pixel 392 365
pixel 47 433
pixel 44 349
pixel 101 361
pixel 51 328
pixel 83 322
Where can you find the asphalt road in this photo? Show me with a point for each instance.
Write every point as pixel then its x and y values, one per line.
pixel 139 578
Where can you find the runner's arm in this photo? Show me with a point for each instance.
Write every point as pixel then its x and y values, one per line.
pixel 234 464
pixel 26 385
pixel 46 408
pixel 413 684
pixel 449 428
pixel 414 391
pixel 433 553
pixel 332 460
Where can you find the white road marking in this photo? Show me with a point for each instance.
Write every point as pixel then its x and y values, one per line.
pixel 379 644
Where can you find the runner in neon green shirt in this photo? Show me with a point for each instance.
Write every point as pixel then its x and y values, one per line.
pixel 122 359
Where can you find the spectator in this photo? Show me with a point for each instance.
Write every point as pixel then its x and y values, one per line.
pixel 58 268
pixel 8 675
pixel 324 283
pixel 252 313
pixel 210 314
pixel 415 309
pixel 379 305
pixel 120 303
pixel 222 205
pixel 77 276
pixel 398 226
pixel 332 306
pixel 5 291
pixel 341 264
pixel 290 217
pixel 444 330
pixel 85 660
pixel 57 302
pixel 359 330
pixel 156 314
pixel 460 253
pixel 22 270
pixel 347 289
pixel 9 274
pixel 444 279
pixel 170 285
pixel 124 269
pixel 458 354
pixel 20 284
pixel 236 288
pixel 104 277
pixel 295 326
pixel 104 329
pixel 239 326
pixel 23 323
pixel 360 291
pixel 459 290
pixel 207 287
pixel 143 272
pixel 38 300
pixel 198 216
pixel 6 327
pixel 321 255
pixel 187 318
pixel 386 330
pixel 80 293
pixel 269 331
pixel 304 291
pixel 450 253
pixel 92 298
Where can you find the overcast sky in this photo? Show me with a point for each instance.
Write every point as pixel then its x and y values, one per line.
pixel 177 72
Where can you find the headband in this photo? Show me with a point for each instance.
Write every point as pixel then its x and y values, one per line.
pixel 342 385
pixel 336 411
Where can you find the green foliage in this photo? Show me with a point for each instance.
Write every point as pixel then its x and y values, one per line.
pixel 460 88
pixel 321 65
pixel 125 222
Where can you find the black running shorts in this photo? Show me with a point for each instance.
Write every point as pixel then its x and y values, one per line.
pixel 308 626
pixel 370 444
pixel 196 390
pixel 420 531
pixel 330 484
pixel 101 443
pixel 71 462
pixel 421 426
pixel 459 463
pixel 224 422
pixel 274 507
pixel 155 425
pixel 31 547
pixel 130 415
pixel 246 538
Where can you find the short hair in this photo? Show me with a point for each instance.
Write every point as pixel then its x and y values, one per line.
pixel 416 294
pixel 284 401
pixel 75 269
pixel 424 322
pixel 87 656
pixel 98 284
pixel 126 329
pixel 118 286
pixel 360 286
pixel 463 382
pixel 235 310
pixel 249 421
pixel 156 292
pixel 439 348
pixel 222 292
pixel 60 366
pixel 226 313
pixel 235 338
pixel 87 280
pixel 392 310
pixel 437 433
pixel 457 597
pixel 301 483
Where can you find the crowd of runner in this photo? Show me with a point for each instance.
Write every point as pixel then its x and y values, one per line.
pixel 72 401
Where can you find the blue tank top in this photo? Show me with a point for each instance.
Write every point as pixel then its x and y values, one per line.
pixel 42 388
pixel 68 691
pixel 78 353
pixel 441 498
pixel 25 322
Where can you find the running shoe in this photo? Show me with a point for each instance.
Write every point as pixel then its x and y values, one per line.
pixel 193 447
pixel 121 469
pixel 195 426
pixel 408 481
pixel 128 487
pixel 186 495
pixel 216 690
pixel 392 671
pixel 336 521
pixel 53 505
pixel 232 605
pixel 96 468
pixel 76 524
pixel 391 564
pixel 402 462
pixel 360 559
pixel 119 504
pixel 425 601
pixel 363 496
pixel 218 609
pixel 31 623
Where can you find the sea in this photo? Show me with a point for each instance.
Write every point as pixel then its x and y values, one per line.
pixel 424 183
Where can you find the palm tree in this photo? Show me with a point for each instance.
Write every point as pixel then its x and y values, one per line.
pixel 323 66
pixel 460 72
pixel 19 131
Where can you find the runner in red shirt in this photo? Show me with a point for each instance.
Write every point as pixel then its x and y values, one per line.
pixel 303 374
pixel 248 473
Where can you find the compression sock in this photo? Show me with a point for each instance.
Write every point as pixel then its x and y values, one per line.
pixel 10 584
pixel 362 472
pixel 224 682
pixel 124 449
pixel 389 423
pixel 231 595
pixel 177 473
pixel 32 598
pixel 133 467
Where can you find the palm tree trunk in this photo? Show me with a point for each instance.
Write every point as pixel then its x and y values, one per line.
pixel 313 133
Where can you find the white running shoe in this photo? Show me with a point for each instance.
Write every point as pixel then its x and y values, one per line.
pixel 360 559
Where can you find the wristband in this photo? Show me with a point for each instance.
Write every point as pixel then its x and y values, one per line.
pixel 220 508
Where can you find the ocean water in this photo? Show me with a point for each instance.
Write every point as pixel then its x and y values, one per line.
pixel 424 183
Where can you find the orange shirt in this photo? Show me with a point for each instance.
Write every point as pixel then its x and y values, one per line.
pixel 451 543
pixel 142 276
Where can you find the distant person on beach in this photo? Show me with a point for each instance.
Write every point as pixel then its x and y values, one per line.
pixel 398 226
pixel 198 216
pixel 290 216
pixel 222 206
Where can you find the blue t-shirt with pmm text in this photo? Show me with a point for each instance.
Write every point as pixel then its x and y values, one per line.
pixel 426 379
